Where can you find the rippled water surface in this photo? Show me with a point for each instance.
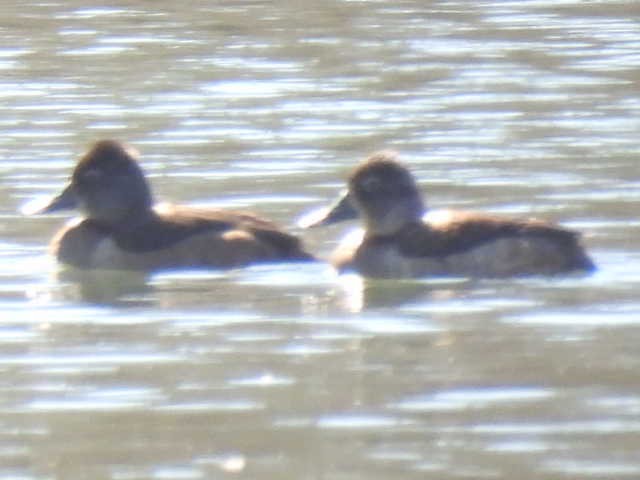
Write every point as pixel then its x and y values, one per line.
pixel 289 371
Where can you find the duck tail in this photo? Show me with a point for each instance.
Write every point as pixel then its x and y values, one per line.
pixel 582 262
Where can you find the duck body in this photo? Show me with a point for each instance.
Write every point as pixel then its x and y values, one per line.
pixel 400 240
pixel 465 244
pixel 123 230
pixel 178 237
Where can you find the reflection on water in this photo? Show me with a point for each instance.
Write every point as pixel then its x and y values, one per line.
pixel 313 288
pixel 104 287
pixel 527 108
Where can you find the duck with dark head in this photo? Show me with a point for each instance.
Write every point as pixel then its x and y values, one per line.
pixel 122 229
pixel 402 239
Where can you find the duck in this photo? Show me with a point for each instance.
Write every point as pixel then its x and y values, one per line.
pixel 401 238
pixel 123 229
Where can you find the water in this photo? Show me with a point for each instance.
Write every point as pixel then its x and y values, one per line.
pixel 527 108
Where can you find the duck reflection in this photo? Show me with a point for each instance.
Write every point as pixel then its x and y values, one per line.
pixel 106 287
pixel 358 293
pixel 313 291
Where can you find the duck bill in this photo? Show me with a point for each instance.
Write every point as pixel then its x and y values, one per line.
pixel 65 201
pixel 340 211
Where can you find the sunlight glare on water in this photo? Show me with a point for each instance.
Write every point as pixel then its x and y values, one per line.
pixel 289 370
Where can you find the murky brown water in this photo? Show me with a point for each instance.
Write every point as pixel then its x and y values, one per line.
pixel 289 371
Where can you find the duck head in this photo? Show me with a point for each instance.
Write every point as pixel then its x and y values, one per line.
pixel 382 192
pixel 107 185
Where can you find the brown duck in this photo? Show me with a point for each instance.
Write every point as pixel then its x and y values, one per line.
pixel 402 239
pixel 122 229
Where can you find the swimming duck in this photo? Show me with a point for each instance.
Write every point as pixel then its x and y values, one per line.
pixel 402 239
pixel 123 230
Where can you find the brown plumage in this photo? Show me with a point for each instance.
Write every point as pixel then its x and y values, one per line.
pixel 401 241
pixel 123 230
pixel 466 230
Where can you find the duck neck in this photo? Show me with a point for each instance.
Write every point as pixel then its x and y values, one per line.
pixel 135 220
pixel 395 217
